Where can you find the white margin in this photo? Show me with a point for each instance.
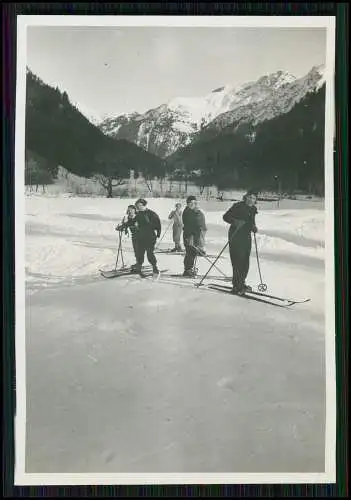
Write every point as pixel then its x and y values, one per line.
pixel 21 477
pixel 330 424
pixel 20 301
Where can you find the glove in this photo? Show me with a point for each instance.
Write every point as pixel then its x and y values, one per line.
pixel 254 229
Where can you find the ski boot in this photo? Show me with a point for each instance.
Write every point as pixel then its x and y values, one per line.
pixel 244 289
pixel 155 272
pixel 189 273
pixel 239 289
pixel 135 269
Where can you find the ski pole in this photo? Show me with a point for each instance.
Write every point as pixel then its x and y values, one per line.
pixel 122 253
pixel 201 254
pixel 119 247
pixel 220 253
pixel 262 287
pixel 212 265
pixel 195 270
pixel 164 234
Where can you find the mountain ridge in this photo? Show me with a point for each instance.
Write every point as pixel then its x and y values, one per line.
pixel 177 123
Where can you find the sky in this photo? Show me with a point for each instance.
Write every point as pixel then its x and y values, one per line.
pixel 109 71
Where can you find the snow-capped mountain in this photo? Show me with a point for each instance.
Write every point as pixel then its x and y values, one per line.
pixel 165 129
pixel 269 97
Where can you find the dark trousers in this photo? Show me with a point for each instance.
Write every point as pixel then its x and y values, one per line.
pixel 240 250
pixel 146 245
pixel 190 252
pixel 135 247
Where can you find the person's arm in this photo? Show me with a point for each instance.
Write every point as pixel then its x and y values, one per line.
pixel 171 215
pixel 236 217
pixel 232 215
pixel 156 224
pixel 201 221
pixel 254 227
pixel 184 215
pixel 123 226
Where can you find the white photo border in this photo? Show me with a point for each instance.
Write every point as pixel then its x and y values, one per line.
pixel 26 479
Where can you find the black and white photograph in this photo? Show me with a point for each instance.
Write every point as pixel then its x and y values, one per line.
pixel 175 250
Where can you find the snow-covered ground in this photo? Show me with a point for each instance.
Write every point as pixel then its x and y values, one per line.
pixel 129 375
pixel 70 238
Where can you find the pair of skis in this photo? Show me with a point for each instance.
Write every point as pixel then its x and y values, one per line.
pixel 169 252
pixel 200 253
pixel 266 298
pixel 147 272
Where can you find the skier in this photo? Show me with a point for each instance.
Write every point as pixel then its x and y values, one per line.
pixel 194 224
pixel 149 229
pixel 241 217
pixel 130 223
pixel 176 216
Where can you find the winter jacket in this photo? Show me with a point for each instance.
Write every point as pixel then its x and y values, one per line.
pixel 241 213
pixel 194 222
pixel 177 218
pixel 131 224
pixel 149 224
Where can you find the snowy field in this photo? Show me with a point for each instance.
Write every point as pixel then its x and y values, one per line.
pixel 129 375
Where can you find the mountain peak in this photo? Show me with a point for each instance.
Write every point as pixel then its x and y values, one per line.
pixel 320 69
pixel 276 79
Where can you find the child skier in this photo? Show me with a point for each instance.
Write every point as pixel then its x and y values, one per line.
pixel 176 216
pixel 149 229
pixel 194 225
pixel 130 223
pixel 241 217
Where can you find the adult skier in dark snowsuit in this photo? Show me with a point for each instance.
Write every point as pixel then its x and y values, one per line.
pixel 241 217
pixel 194 226
pixel 149 229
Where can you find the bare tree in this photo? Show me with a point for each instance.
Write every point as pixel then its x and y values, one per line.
pixel 108 183
pixel 113 171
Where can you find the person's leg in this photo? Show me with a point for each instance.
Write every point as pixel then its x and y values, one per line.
pixel 150 253
pixel 189 255
pixel 174 237
pixel 235 261
pixel 140 248
pixel 177 231
pixel 240 258
pixel 135 248
pixel 246 260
